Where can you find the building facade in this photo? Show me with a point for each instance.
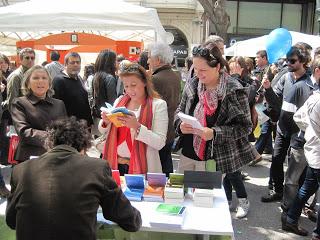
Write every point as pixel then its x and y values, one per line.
pixel 249 18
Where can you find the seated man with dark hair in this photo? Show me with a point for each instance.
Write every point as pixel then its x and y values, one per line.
pixel 57 195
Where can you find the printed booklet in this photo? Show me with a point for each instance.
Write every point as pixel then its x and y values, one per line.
pixel 113 113
pixel 190 120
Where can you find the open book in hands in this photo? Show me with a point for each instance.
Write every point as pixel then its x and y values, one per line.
pixel 190 120
pixel 113 113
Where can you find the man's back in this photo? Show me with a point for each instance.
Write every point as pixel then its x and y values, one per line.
pixel 167 84
pixel 54 68
pixel 57 197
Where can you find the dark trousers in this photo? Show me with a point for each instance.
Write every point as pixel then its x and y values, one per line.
pixel 265 138
pixel 309 187
pixel 166 158
pixel 123 169
pixel 2 183
pixel 4 141
pixel 280 150
pixel 234 180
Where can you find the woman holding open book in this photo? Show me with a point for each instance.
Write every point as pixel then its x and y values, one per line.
pixel 134 146
pixel 220 104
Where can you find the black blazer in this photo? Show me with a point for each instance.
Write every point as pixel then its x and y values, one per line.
pixel 57 196
pixel 31 116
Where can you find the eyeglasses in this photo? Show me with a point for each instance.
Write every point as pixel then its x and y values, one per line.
pixel 74 62
pixel 28 58
pixel 292 60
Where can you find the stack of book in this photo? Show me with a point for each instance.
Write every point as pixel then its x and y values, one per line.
pixel 134 187
pixel 174 190
pixel 168 216
pixel 203 197
pixel 154 191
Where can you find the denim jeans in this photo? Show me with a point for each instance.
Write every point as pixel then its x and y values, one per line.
pixel 296 167
pixel 234 180
pixel 265 138
pixel 309 187
pixel 166 159
pixel 280 151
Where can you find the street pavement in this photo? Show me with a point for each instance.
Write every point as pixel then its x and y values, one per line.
pixel 263 219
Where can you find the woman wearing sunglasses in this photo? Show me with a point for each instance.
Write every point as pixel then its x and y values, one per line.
pixel 134 146
pixel 221 105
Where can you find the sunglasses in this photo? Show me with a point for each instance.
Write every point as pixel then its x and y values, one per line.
pixel 126 68
pixel 28 58
pixel 205 53
pixel 292 60
pixel 129 68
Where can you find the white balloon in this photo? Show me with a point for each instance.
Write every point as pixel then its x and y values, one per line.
pixel 169 37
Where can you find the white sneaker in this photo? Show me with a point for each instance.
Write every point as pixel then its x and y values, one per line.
pixel 243 208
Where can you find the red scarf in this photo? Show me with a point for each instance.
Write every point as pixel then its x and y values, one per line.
pixel 207 106
pixel 138 149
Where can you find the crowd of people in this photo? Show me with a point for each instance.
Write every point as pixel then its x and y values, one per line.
pixel 226 97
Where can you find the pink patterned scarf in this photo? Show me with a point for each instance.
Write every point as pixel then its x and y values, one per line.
pixel 207 106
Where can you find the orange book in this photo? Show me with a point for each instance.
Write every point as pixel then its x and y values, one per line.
pixel 113 117
pixel 152 191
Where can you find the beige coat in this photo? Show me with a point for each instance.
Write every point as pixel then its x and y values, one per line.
pixel 155 138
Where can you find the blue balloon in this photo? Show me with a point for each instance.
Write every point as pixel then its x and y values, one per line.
pixel 278 43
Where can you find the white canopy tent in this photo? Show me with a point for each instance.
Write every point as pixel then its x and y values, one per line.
pixel 249 48
pixel 112 18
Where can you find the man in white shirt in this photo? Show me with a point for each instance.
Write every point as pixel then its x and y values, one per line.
pixel 55 67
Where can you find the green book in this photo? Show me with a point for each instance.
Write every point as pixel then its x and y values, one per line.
pixel 176 179
pixel 168 216
pixel 170 209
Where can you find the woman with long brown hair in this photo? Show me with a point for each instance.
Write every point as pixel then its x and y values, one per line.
pixel 134 147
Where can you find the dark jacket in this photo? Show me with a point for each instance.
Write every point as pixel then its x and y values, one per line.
pixel 167 83
pixel 56 197
pixel 230 147
pixel 31 116
pixel 74 95
pixel 106 92
pixel 290 94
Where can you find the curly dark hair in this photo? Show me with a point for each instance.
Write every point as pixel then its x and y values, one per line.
pixel 71 132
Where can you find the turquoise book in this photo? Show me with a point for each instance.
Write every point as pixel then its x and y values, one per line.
pixel 134 186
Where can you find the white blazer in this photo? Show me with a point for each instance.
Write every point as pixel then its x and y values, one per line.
pixel 155 139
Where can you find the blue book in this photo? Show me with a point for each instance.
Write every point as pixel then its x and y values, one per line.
pixel 135 187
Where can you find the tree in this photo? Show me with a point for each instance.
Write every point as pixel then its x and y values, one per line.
pixel 215 12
